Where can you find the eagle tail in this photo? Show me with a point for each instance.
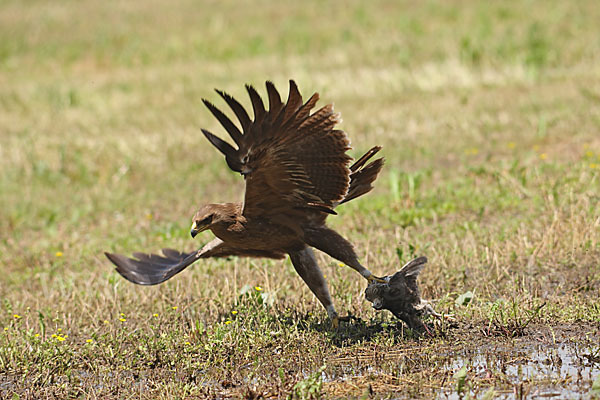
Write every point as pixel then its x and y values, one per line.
pixel 363 175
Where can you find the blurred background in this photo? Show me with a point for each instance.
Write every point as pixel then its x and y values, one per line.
pixel 100 111
pixel 488 114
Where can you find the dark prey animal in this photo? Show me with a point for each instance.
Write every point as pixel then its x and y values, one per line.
pixel 399 293
pixel 296 170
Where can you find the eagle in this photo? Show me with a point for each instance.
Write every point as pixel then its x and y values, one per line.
pixel 297 171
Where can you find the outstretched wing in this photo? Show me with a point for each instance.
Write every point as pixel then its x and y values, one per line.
pixel 152 269
pixel 408 275
pixel 293 160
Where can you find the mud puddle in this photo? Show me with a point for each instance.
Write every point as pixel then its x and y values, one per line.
pixel 563 362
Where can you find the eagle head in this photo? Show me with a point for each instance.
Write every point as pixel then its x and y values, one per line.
pixel 203 219
pixel 211 216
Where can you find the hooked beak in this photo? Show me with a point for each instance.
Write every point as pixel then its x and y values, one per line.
pixel 196 229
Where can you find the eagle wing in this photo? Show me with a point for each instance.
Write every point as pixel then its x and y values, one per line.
pixel 152 269
pixel 292 160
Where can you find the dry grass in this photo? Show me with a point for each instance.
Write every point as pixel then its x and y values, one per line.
pixel 489 117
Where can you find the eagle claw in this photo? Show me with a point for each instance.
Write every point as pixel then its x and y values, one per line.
pixel 335 321
pixel 376 279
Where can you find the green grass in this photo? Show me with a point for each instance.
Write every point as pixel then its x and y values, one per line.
pixel 488 114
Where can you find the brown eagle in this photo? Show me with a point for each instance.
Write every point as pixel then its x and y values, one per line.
pixel 297 171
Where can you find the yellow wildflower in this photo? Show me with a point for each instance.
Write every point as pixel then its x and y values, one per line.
pixel 227 322
pixel 512 145
pixel 122 319
pixel 257 288
pixel 59 329
pixel 234 312
pixel 594 165
pixel 174 307
pixel 60 338
pixel 106 321
pixel 5 328
pixel 187 343
pixel 16 316
pixel 89 341
pixel 543 156
pixel 36 335
pixel 149 216
pixel 155 315
pixel 341 264
pixel 58 254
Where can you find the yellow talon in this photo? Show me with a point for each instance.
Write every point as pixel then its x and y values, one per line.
pixel 373 278
pixel 335 322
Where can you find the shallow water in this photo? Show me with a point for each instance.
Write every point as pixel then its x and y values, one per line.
pixel 527 367
pixel 566 370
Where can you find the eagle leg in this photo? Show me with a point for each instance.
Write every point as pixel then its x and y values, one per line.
pixel 306 266
pixel 329 241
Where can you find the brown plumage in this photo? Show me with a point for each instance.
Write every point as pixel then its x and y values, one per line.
pixel 400 294
pixel 296 170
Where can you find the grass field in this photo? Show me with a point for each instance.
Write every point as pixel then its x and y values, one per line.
pixel 489 118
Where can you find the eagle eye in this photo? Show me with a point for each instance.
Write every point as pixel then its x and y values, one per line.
pixel 207 220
